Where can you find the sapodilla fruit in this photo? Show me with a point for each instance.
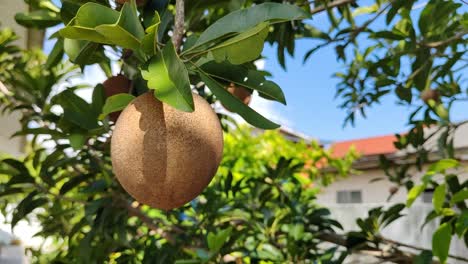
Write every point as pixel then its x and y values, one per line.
pixel 430 94
pixel 115 85
pixel 164 157
pixel 240 92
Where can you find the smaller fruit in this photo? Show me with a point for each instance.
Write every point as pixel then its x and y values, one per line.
pixel 115 85
pixel 430 94
pixel 242 93
pixel 15 242
pixel 138 2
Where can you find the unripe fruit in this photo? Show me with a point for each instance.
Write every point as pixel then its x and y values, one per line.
pixel 240 92
pixel 115 85
pixel 138 2
pixel 164 157
pixel 427 95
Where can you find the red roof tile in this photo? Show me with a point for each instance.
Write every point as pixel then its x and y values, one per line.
pixel 366 146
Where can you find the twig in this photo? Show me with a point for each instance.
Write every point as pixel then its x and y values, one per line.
pixel 359 30
pixel 444 42
pixel 148 221
pixel 331 5
pixel 397 256
pixel 419 248
pixel 179 24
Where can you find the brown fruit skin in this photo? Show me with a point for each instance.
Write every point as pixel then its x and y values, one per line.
pixel 115 85
pixel 240 92
pixel 164 157
pixel 138 2
pixel 427 95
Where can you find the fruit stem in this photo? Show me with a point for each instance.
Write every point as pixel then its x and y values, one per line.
pixel 179 24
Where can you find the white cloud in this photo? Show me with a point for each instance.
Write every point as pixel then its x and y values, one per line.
pixel 270 110
pixel 260 64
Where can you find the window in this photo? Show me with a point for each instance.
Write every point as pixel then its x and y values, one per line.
pixel 427 195
pixel 349 197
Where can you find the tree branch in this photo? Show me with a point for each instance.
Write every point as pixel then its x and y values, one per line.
pixel 419 248
pixel 179 24
pixel 151 223
pixel 331 5
pixel 395 255
pixel 444 42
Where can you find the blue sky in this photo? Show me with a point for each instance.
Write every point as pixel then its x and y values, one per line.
pixel 310 89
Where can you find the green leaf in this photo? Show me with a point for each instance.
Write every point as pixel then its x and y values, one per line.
pixel 313 32
pixel 73 182
pixel 81 52
pixel 216 241
pixel 187 261
pixel 98 23
pixel 245 19
pixel 26 206
pixel 388 35
pixel 167 75
pixel 461 226
pixel 441 241
pixel 365 10
pixel 17 165
pixel 56 54
pixel 68 10
pixel 233 103
pixel 98 99
pixel 297 231
pixel 404 93
pixel 438 198
pixel 392 214
pixel 38 19
pixel 127 32
pixel 88 17
pixel 459 196
pixel 10 191
pixel 414 193
pixel 203 254
pixel 442 165
pixel 116 103
pixel 268 251
pixel 149 42
pixel 77 110
pixel 242 76
pixel 425 257
pixel 77 141
pixel 242 48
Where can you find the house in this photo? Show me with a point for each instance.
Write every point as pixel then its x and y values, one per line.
pixel 370 185
pixel 352 197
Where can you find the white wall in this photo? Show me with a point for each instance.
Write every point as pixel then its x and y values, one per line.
pixel 8 9
pixel 374 192
pixel 407 229
pixel 9 123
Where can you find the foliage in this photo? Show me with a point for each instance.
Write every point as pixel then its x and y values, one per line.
pixel 259 206
pixel 387 47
